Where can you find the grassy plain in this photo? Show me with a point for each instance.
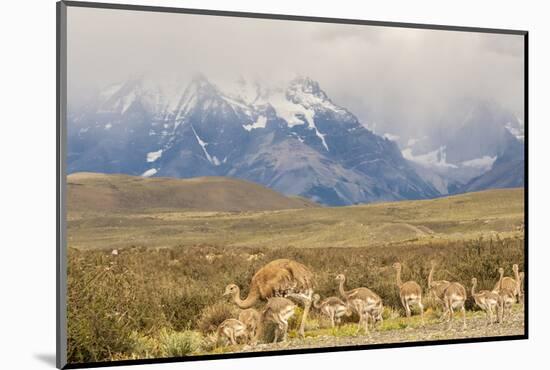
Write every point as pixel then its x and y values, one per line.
pixel 154 298
pixel 461 217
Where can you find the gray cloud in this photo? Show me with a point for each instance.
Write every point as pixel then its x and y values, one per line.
pixel 401 79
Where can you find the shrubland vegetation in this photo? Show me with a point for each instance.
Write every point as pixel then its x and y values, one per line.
pixel 465 216
pixel 160 295
pixel 147 302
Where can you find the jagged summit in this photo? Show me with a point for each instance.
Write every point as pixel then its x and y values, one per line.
pixel 201 84
pixel 291 137
pixel 306 85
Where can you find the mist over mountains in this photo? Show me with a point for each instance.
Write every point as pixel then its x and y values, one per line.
pixel 468 145
pixel 291 138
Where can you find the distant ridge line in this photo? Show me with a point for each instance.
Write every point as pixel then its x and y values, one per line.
pixel 90 191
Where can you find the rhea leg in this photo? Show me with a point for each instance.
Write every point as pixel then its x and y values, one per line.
pixel 378 322
pixel 407 309
pixel 307 306
pixel 421 306
pixel 232 337
pixel 277 329
pixel 405 304
pixel 444 316
pixel 463 317
pixel 360 323
pixel 366 323
pixel 500 310
pixel 258 332
pixel 451 315
pixel 285 331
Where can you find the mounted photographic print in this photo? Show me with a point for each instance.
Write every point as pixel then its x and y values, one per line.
pixel 238 184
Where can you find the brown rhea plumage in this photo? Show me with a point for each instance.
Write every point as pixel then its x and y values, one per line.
pixel 279 278
pixel 358 293
pixel 410 293
pixel 250 317
pixel 437 287
pixel 278 310
pixel 333 307
pixel 232 329
pixel 521 286
pixel 496 289
pixel 507 295
pixel 507 299
pixel 488 301
pixel 366 303
pixel 512 284
pixel 455 297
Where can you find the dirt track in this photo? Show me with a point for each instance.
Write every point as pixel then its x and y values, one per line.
pixel 476 328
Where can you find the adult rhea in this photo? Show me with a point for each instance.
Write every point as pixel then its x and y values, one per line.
pixel 279 278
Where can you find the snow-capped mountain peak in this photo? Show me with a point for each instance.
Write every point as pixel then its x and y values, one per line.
pixel 290 137
pixel 305 85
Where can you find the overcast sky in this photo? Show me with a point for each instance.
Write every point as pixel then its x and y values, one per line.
pixel 397 77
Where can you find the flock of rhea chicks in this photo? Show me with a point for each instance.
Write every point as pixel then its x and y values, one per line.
pixel 282 282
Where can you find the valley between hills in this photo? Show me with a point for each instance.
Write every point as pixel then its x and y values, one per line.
pixel 119 211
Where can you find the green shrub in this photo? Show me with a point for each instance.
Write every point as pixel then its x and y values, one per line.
pixel 212 316
pixel 312 321
pixel 177 344
pixel 144 346
pixel 390 313
pixel 106 302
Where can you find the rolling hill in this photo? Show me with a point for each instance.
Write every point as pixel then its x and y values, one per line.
pixel 461 217
pixel 123 193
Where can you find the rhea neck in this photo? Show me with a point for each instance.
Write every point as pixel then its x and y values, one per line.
pixel 430 276
pixel 248 301
pixel 399 281
pixel 501 272
pixel 341 287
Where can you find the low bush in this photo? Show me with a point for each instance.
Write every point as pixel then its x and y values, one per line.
pixel 143 291
pixel 212 316
pixel 178 344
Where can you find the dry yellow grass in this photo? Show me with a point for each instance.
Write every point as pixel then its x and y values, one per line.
pixel 467 216
pixel 95 192
pixel 150 299
pixel 148 292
